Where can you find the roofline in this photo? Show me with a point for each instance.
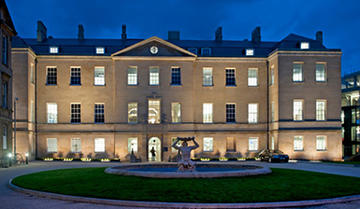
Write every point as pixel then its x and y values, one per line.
pixel 306 53
pixel 12 26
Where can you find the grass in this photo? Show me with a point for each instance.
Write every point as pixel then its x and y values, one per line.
pixel 281 185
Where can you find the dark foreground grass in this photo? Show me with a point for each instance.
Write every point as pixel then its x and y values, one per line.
pixel 281 185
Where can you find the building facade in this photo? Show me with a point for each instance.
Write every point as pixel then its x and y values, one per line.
pixel 106 98
pixel 7 31
pixel 350 114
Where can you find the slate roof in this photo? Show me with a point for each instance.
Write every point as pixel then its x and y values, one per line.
pixel 225 48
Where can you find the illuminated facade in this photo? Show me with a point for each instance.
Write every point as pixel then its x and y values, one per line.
pixel 104 98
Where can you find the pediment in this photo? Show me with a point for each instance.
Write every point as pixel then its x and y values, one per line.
pixel 160 46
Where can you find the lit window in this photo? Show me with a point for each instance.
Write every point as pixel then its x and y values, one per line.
pixel 304 45
pixel 5 133
pixel 249 52
pixel 51 145
pixel 75 78
pixel 253 144
pixel 272 111
pixel 99 145
pixel 75 145
pixel 99 113
pixel 205 51
pixel 297 72
pixel 320 109
pixel 32 75
pixel 230 113
pixel 75 113
pixel 272 143
pixel 208 144
pixel 207 76
pixel 207 113
pixel 193 50
pixel 175 76
pixel 230 144
pixel 253 113
pixel 298 110
pixel 176 112
pixel 272 76
pixel 51 76
pixel 154 76
pixel 54 49
pixel 132 144
pixel 230 77
pixel 320 73
pixel 32 111
pixel 154 111
pixel 100 50
pixel 298 143
pixel 320 143
pixel 252 77
pixel 173 139
pixel 132 112
pixel 51 112
pixel 132 76
pixel 99 76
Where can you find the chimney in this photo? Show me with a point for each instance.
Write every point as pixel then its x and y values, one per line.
pixel 174 35
pixel 218 34
pixel 256 36
pixel 81 32
pixel 123 34
pixel 319 36
pixel 41 31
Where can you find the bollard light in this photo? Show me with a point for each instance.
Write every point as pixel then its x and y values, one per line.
pixel 27 154
pixel 9 155
pixel 27 158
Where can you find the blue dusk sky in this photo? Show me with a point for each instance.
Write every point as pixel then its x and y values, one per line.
pixel 197 19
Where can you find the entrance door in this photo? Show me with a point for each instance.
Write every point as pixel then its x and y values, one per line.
pixel 154 149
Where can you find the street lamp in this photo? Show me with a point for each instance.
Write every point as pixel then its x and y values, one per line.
pixel 15 100
pixel 27 158
pixel 10 156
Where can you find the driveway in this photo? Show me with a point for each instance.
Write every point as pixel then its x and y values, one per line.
pixel 14 200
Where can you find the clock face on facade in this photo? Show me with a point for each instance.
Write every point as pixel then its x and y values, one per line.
pixel 154 50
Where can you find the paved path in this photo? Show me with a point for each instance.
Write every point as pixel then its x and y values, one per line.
pixel 14 200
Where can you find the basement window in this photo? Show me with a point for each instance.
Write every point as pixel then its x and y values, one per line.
pixel 304 45
pixel 100 50
pixel 54 49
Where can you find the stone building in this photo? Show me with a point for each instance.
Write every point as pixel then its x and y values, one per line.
pixel 7 31
pixel 104 98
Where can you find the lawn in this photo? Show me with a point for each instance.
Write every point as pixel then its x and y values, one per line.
pixel 281 185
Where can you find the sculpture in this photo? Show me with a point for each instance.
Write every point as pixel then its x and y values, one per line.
pixel 185 163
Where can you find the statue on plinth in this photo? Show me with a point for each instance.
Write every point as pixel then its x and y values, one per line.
pixel 185 163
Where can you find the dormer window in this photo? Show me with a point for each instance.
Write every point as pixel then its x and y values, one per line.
pixel 100 50
pixel 304 45
pixel 205 51
pixel 193 50
pixel 249 52
pixel 54 49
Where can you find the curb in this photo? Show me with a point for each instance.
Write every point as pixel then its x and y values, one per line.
pixel 147 204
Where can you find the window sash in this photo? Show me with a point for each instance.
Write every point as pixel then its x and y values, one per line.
pixel 252 113
pixel 100 50
pixel 99 145
pixel 51 77
pixel 51 112
pixel 154 76
pixel 297 73
pixel 230 77
pixel 298 110
pixel 99 76
pixel 207 77
pixel 176 112
pixel 252 77
pixel 5 133
pixel 175 76
pixel 298 143
pixel 230 113
pixel 52 145
pixel 253 144
pixel 272 111
pixel 320 110
pixel 207 113
pixel 320 143
pixel 154 114
pixel 132 112
pixel 99 113
pixel 75 145
pixel 75 78
pixel 208 144
pixel 132 76
pixel 133 144
pixel 320 72
pixel 75 113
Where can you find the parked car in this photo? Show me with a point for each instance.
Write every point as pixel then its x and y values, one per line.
pixel 279 158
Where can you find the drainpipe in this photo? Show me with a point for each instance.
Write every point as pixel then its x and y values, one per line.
pixel 36 120
pixel 267 105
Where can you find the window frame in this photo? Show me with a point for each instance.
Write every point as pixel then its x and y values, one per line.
pixel 325 72
pixel 233 120
pixel 137 113
pixel 129 145
pixel 5 138
pixel 256 77
pixel 53 75
pixel 304 45
pixel 95 80
pixel 99 115
pixel 157 78
pixel 317 118
pixel 172 112
pixel 230 79
pixel 302 109
pixel 72 76
pixel 172 76
pixel 204 84
pixel 210 119
pixel 325 143
pixel 211 139
pixel 103 148
pixel 72 145
pixel 203 49
pixel 257 113
pixel 298 149
pixel 301 70
pixel 53 49
pixel 249 52
pixel 47 145
pixel 131 78
pixel 71 113
pixel 100 50
pixel 156 117
pixel 250 148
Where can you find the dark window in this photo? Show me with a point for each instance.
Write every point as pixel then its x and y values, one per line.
pixel 51 77
pixel 99 113
pixel 205 51
pixel 5 94
pixel 230 113
pixel 175 76
pixel 5 50
pixel 75 78
pixel 75 113
pixel 230 77
pixel 193 50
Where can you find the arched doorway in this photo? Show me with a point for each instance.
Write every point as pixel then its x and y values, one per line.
pixel 154 144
